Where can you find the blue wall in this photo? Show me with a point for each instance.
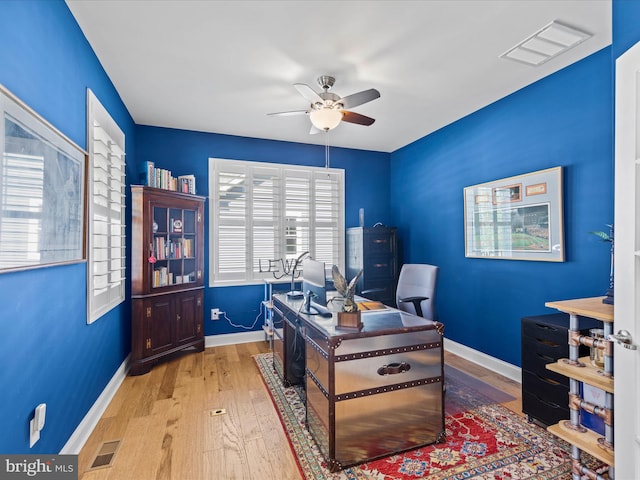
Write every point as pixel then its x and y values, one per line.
pixel 626 29
pixel 564 119
pixel 49 354
pixel 366 186
pixel 47 351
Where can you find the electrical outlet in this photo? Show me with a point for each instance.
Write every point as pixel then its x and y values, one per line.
pixel 37 424
pixel 215 314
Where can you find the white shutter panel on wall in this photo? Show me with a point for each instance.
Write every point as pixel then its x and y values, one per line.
pixel 328 228
pixel 106 229
pixel 230 241
pixel 266 216
pixel 297 214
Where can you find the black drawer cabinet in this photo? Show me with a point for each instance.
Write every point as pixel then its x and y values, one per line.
pixel 375 251
pixel 288 345
pixel 545 340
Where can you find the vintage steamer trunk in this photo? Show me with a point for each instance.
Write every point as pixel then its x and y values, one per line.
pixel 374 392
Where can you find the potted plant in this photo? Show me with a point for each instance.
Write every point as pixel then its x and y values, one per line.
pixel 608 237
pixel 349 317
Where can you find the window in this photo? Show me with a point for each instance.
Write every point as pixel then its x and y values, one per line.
pixel 262 212
pixel 106 188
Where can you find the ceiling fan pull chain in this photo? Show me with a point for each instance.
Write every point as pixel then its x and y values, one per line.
pixel 326 149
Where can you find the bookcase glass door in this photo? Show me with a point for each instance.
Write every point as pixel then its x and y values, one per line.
pixel 173 247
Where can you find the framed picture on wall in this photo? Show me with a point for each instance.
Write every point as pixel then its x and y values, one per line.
pixel 42 190
pixel 516 218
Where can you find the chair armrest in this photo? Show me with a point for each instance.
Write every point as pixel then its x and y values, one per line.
pixel 416 303
pixel 413 299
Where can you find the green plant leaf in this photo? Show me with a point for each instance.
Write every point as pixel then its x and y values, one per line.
pixel 603 235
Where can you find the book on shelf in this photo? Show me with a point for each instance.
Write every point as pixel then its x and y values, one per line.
pixel 181 248
pixel 160 248
pixel 187 184
pixel 187 247
pixel 151 176
pixel 175 250
pixel 165 179
pixel 161 277
pixel 147 174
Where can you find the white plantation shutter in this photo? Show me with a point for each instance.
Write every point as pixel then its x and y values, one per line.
pixel 106 235
pixel 231 238
pixel 263 212
pixel 297 215
pixel 327 217
pixel 266 212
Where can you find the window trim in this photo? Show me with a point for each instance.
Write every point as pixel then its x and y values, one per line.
pixel 97 113
pixel 251 278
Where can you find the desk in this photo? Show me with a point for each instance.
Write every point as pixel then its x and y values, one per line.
pixel 369 393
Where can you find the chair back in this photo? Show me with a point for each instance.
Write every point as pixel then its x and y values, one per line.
pixel 418 280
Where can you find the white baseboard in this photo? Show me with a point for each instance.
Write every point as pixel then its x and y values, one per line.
pixel 81 434
pixel 233 338
pixel 494 364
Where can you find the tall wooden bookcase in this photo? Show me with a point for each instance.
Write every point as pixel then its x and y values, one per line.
pixel 167 275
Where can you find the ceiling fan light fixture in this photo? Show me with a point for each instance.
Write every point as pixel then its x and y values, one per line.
pixel 325 118
pixel 326 109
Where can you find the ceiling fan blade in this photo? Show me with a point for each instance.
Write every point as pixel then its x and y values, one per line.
pixel 307 92
pixel 353 117
pixel 292 112
pixel 359 98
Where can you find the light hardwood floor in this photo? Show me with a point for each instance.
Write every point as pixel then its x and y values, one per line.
pixel 167 424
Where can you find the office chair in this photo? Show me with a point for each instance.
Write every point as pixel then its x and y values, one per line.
pixel 416 290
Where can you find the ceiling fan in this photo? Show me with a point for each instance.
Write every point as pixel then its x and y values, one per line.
pixel 327 110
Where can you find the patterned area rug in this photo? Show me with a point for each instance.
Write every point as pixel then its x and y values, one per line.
pixel 484 439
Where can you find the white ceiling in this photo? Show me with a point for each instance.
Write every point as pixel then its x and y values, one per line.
pixel 221 66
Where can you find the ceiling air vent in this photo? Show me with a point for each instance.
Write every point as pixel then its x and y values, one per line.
pixel 547 43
